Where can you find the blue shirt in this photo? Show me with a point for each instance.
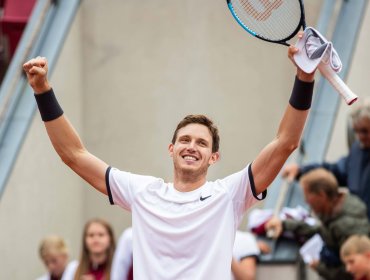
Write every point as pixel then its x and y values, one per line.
pixel 352 171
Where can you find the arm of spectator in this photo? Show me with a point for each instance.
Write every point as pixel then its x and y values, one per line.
pixel 300 228
pixel 331 273
pixel 339 169
pixel 245 269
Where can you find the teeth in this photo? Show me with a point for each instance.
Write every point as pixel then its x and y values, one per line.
pixel 190 158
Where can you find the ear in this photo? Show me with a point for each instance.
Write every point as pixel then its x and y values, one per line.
pixel 214 158
pixel 170 149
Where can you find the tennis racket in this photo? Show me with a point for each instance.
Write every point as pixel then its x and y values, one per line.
pixel 278 21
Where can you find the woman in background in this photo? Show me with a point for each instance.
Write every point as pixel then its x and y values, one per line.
pixel 98 247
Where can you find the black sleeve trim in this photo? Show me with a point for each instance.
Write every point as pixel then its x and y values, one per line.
pixel 249 256
pixel 253 187
pixel 107 185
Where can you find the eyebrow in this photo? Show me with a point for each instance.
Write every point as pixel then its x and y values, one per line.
pixel 200 139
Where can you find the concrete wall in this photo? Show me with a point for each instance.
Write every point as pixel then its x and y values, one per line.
pixel 42 196
pixel 128 73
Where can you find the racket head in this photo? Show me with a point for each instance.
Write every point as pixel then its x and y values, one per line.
pixel 275 21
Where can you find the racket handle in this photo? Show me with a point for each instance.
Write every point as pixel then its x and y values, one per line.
pixel 337 83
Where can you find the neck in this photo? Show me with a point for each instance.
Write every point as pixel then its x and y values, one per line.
pixel 98 259
pixel 188 183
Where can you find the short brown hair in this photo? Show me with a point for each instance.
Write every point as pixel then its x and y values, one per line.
pixel 320 179
pixel 203 120
pixel 361 110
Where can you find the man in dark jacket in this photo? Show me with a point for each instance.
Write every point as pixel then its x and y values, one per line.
pixel 353 170
pixel 341 215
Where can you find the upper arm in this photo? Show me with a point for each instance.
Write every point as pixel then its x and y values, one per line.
pixel 249 264
pixel 91 169
pixel 245 269
pixel 69 147
pixel 268 164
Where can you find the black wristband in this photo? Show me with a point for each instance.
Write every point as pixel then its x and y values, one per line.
pixel 301 97
pixel 48 106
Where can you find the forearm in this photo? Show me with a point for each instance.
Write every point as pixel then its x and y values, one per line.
pixel 63 136
pixel 65 139
pixel 332 273
pixel 300 228
pixel 269 162
pixel 293 121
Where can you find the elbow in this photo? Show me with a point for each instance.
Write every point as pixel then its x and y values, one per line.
pixel 70 159
pixel 288 146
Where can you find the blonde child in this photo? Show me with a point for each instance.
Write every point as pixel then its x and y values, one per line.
pixel 54 253
pixel 355 253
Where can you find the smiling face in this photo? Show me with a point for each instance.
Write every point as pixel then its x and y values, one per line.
pixel 192 152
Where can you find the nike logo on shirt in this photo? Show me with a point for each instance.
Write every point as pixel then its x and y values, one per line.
pixel 204 198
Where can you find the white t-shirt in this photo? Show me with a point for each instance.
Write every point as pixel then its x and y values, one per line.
pixel 122 260
pixel 182 235
pixel 245 245
pixel 68 274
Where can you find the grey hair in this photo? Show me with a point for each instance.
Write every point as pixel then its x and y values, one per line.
pixel 361 110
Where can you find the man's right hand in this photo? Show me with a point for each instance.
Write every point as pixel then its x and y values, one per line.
pixel 37 70
pixel 290 172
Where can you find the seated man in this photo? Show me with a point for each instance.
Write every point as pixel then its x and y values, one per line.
pixel 352 170
pixel 341 215
pixel 355 254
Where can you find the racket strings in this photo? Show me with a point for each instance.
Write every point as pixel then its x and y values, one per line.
pixel 274 20
pixel 256 13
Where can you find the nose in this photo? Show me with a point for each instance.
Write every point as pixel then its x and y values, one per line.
pixel 191 146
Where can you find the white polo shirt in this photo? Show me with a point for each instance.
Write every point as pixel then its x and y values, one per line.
pixel 182 235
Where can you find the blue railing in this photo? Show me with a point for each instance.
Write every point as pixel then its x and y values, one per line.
pixel 318 130
pixel 44 34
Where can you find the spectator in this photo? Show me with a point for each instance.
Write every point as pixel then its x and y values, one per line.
pixel 355 254
pixel 341 215
pixel 98 246
pixel 122 267
pixel 353 170
pixel 245 255
pixel 54 253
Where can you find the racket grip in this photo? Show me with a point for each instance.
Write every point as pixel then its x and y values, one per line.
pixel 337 83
